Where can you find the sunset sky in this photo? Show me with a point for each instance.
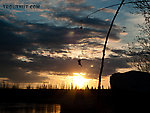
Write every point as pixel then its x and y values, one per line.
pixel 43 44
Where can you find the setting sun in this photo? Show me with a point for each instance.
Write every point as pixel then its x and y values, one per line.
pixel 79 80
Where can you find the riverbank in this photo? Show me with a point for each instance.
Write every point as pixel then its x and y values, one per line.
pixel 79 101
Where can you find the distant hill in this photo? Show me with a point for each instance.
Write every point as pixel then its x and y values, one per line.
pixel 133 81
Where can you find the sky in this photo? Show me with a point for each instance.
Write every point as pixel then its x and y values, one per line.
pixel 42 41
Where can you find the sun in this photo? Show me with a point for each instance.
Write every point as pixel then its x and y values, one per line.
pixel 79 80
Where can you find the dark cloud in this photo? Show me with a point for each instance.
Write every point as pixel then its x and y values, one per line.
pixel 10 41
pixel 17 37
pixel 119 51
pixel 75 1
pixel 11 44
pixel 79 7
pixel 71 65
pixel 128 52
pixel 114 56
pixel 13 69
pixel 100 27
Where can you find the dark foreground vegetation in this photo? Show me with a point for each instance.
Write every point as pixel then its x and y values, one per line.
pixel 130 93
pixel 80 101
pixel 71 101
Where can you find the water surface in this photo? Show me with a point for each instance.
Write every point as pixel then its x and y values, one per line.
pixel 29 108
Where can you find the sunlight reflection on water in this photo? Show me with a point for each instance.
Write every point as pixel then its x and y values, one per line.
pixel 30 108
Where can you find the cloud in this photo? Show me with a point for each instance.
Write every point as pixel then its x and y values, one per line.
pixel 10 44
pixel 97 25
pixel 123 33
pixel 109 10
pixel 75 1
pixel 119 51
pixel 9 2
pixel 74 7
pixel 107 20
pixel 30 48
pixel 12 69
pixel 69 66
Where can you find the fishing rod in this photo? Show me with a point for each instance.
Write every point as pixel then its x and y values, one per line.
pixel 108 33
pixel 101 9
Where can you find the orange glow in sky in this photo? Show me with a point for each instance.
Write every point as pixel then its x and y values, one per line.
pixel 79 80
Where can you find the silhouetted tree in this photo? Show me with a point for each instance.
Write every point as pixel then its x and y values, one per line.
pixel 56 87
pixel 29 86
pixel 102 87
pixel 140 4
pixel 87 87
pixel 62 86
pixel 140 50
pixel 15 86
pixel 144 9
pixel 72 86
pixel 50 86
pixel 76 87
pixel 44 86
